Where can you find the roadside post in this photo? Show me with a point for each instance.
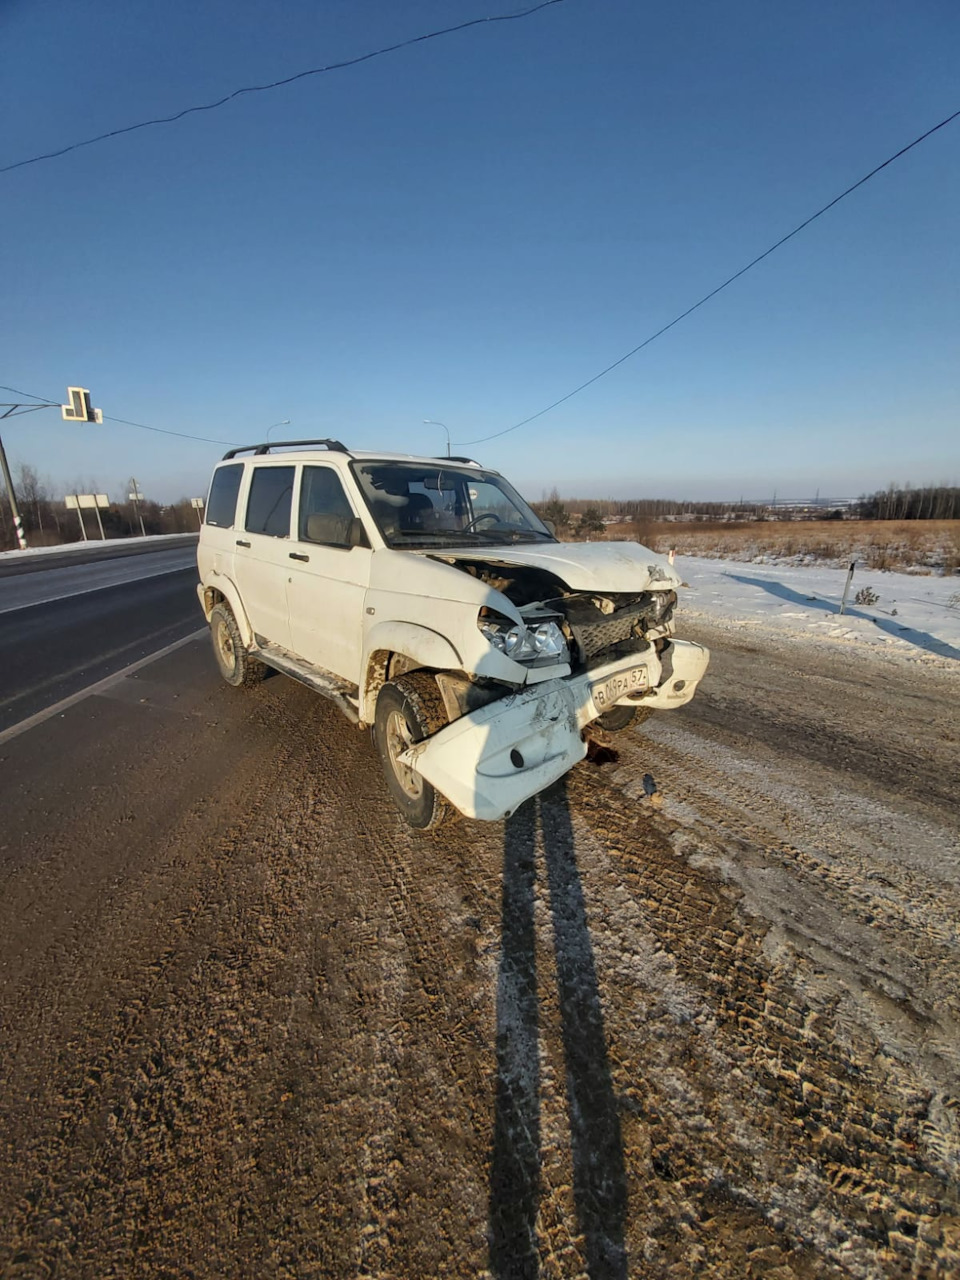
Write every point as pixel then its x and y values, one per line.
pixel 72 503
pixel 197 504
pixel 846 589
pixel 101 501
pixel 135 498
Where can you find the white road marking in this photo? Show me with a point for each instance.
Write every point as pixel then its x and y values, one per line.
pixel 101 685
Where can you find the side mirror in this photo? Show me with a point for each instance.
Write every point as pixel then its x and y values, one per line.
pixel 550 527
pixel 356 534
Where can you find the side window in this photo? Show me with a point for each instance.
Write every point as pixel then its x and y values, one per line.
pixel 222 500
pixel 325 513
pixel 271 496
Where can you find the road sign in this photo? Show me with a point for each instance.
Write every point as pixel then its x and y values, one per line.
pixel 196 502
pixel 80 409
pixel 84 502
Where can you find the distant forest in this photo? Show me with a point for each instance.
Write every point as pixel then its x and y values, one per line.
pixel 934 502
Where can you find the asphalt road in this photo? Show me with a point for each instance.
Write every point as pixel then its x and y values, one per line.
pixel 51 650
pixel 253 1026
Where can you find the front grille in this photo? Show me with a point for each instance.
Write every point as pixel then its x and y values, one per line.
pixel 596 632
pixel 594 637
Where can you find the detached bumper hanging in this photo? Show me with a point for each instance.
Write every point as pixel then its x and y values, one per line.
pixel 489 762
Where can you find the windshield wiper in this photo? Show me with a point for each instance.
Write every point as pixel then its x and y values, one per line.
pixel 431 535
pixel 508 535
pixel 461 537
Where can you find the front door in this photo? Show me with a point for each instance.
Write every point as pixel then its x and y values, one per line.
pixel 328 578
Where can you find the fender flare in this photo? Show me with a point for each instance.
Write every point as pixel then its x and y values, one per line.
pixel 423 645
pixel 231 595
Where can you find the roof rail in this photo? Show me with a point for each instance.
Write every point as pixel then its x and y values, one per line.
pixel 258 450
pixel 473 462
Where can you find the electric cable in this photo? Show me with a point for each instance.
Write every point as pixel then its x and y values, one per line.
pixel 277 84
pixel 164 431
pixel 713 292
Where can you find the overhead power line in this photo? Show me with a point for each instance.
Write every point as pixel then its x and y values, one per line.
pixel 278 84
pixel 142 426
pixel 713 292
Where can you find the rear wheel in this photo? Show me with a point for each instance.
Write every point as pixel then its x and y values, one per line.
pixel 410 709
pixel 623 717
pixel 236 665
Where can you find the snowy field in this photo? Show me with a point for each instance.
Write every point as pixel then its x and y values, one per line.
pixel 914 618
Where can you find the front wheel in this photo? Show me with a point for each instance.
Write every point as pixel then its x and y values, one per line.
pixel 409 709
pixel 623 717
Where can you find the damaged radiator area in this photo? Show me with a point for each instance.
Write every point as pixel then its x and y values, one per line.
pixel 594 625
pixel 598 626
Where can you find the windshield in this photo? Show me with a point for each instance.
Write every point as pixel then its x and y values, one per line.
pixel 432 505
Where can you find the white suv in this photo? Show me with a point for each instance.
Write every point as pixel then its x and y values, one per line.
pixel 426 599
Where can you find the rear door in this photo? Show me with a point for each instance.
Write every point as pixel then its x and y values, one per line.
pixel 263 549
pixel 328 578
pixel 217 546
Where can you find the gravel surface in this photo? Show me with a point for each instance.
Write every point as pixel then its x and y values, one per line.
pixel 694 1012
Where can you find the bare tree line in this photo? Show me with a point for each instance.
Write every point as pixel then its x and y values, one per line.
pixel 932 502
pixel 47 522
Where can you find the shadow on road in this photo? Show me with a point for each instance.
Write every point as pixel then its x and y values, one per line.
pixel 922 639
pixel 599 1180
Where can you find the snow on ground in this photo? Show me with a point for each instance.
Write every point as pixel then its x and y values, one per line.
pixel 90 545
pixel 914 618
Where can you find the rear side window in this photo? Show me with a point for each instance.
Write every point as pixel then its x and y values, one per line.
pixel 271 495
pixel 222 500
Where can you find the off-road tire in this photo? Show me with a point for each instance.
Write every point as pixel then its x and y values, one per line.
pixel 409 709
pixel 236 665
pixel 623 717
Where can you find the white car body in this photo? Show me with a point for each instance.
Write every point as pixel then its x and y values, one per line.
pixel 347 617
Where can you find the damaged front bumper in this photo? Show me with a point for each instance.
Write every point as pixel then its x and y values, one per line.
pixel 488 762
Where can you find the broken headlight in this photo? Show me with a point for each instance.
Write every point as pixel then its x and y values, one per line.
pixel 663 605
pixel 535 645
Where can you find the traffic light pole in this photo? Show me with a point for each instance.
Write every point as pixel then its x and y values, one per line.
pixel 11 410
pixel 79 410
pixel 14 509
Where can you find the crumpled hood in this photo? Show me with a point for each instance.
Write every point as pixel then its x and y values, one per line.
pixel 587 566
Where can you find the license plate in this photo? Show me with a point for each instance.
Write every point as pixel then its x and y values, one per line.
pixel 609 691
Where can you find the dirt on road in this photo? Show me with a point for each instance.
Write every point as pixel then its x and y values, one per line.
pixel 696 1012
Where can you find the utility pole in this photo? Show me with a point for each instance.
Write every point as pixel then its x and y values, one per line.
pixel 135 499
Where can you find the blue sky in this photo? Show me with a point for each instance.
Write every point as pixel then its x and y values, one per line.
pixel 467 229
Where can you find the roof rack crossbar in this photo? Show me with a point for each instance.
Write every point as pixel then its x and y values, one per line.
pixel 258 450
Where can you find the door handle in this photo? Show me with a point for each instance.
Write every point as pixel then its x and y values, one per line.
pixel 242 544
pixel 296 555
